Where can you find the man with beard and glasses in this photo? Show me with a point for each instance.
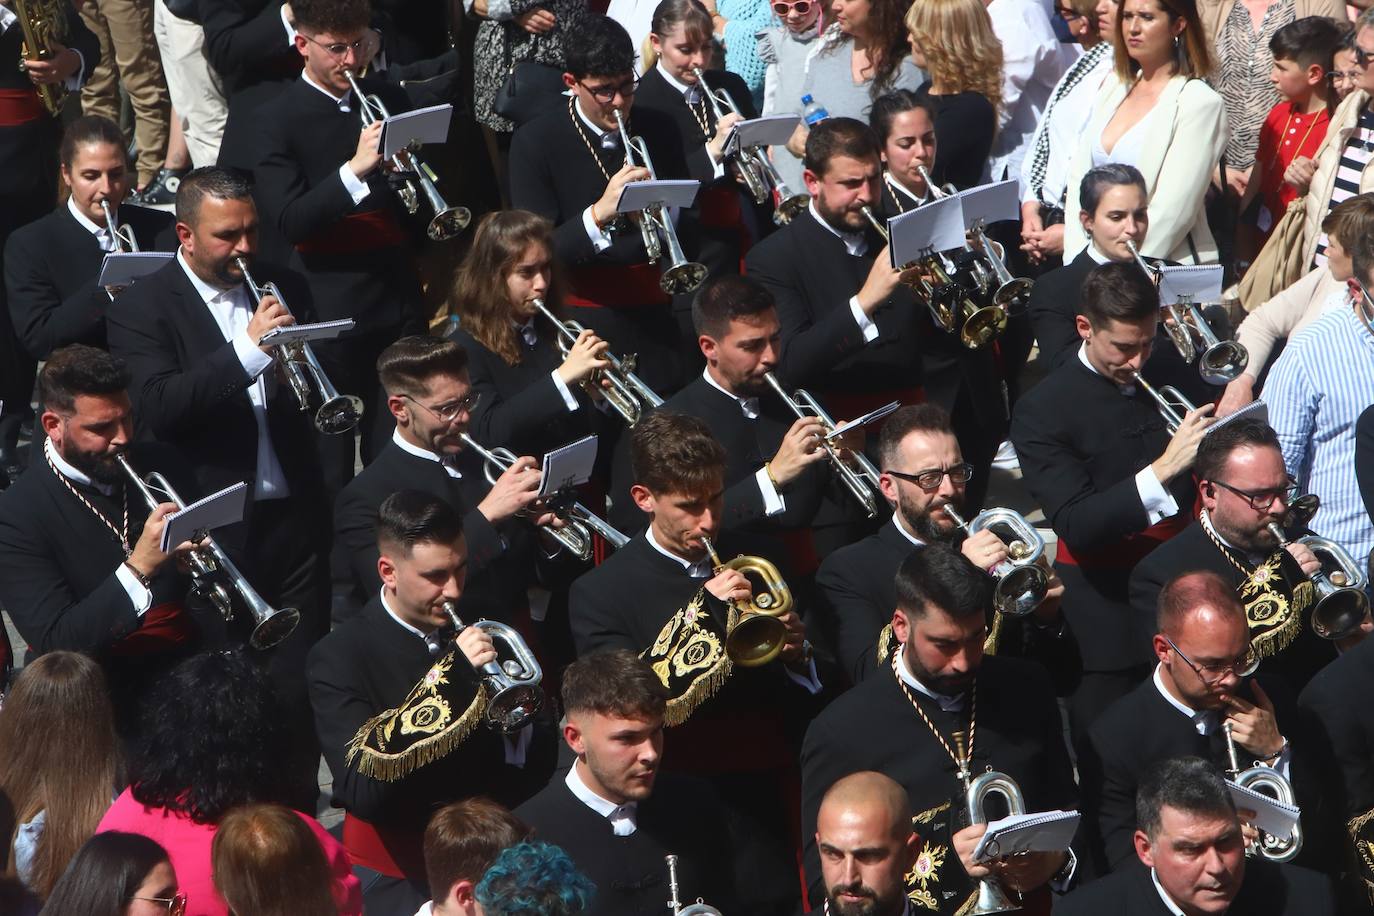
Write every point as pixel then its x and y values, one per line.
pixel 863 832
pixel 943 708
pixel 614 812
pixel 923 470
pixel 81 566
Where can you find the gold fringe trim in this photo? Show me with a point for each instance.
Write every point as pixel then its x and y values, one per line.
pixel 687 645
pixel 680 708
pixel 887 641
pixel 1364 850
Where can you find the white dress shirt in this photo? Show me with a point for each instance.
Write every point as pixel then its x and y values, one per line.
pixel 101 233
pixel 857 246
pixel 622 817
pixel 232 311
pixel 1164 895
pixel 773 501
pixel 410 448
pixel 357 189
pixel 1207 721
pixel 1064 123
pixel 901 526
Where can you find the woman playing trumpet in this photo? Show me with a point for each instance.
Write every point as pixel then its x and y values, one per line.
pixel 905 125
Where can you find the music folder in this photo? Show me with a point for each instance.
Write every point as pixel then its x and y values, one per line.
pixel 121 268
pixel 1046 831
pixel 1271 815
pixel 640 195
pixel 1256 409
pixel 421 126
pixel 568 466
pixel 214 511
pixel 319 330
pixel 872 416
pixel 991 203
pixel 1201 283
pixel 936 226
pixel 769 130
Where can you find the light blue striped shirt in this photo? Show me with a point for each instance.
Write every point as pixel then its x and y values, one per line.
pixel 1316 391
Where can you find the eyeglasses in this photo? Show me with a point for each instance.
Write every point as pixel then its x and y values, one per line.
pixel 801 7
pixel 449 412
pixel 338 48
pixel 1244 666
pixel 930 479
pixel 175 905
pixel 1261 500
pixel 1348 76
pixel 1362 57
pixel 605 94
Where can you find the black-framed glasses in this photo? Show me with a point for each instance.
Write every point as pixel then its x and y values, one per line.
pixel 1362 57
pixel 1260 500
pixel 1244 666
pixel 175 905
pixel 449 412
pixel 801 7
pixel 931 478
pixel 606 94
pixel 338 48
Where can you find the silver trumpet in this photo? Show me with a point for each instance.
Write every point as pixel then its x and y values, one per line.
pixel 512 680
pixel 337 413
pixel 213 574
pixel 1011 292
pixel 936 191
pixel 579 522
pixel 447 221
pixel 628 395
pixel 1173 404
pixel 681 275
pixel 1341 601
pixel 1021 583
pixel 675 906
pixel 861 483
pixel 992 897
pixel 757 170
pixel 123 236
pixel 1259 776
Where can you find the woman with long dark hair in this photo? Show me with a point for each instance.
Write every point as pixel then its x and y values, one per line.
pixel 117 874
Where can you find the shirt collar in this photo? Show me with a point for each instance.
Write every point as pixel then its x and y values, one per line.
pixel 749 406
pixel 898 188
pixel 897 523
pixel 681 87
pixel 586 121
pixel 401 623
pixel 1164 895
pixel 698 570
pixel 947 703
pixel 1098 257
pixel 7 18
pixel 71 473
pixel 1206 521
pixel 83 220
pixel 343 102
pixel 854 242
pixel 602 806
pixel 1128 390
pixel 207 292
pixel 1202 720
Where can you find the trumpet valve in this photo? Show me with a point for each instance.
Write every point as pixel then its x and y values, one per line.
pixel 1018 550
pixel 1338 578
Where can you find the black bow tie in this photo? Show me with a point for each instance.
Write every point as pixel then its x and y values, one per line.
pixel 610 142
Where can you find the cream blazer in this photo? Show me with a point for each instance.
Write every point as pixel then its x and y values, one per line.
pixel 1187 135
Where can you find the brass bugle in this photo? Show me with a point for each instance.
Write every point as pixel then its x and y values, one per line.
pixel 1341 605
pixel 1021 583
pixel 214 576
pixel 759 635
pixel 512 681
pixel 1275 849
pixel 628 395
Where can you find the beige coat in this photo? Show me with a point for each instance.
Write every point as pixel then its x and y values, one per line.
pixel 1328 158
pixel 1214 12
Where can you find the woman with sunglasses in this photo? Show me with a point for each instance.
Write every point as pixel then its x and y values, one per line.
pixel 118 874
pixel 784 46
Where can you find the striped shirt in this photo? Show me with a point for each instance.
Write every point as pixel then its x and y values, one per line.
pixel 1354 158
pixel 1318 388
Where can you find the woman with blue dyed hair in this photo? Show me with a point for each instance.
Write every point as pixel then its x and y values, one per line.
pixel 534 879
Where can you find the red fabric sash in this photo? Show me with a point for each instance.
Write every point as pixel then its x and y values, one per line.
pixel 615 286
pixel 20 106
pixel 1129 551
pixel 390 852
pixel 356 233
pixel 164 626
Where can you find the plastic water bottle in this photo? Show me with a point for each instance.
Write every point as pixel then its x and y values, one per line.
pixel 813 112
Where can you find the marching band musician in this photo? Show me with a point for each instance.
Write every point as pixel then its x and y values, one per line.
pixel 867 846
pixel 570 166
pixel 399 709
pixel 52 268
pixel 924 470
pixel 1085 436
pixel 659 596
pixel 941 710
pixel 905 125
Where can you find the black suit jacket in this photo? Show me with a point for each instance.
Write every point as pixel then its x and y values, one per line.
pixel 1268 890
pixel 657 93
pixel 51 271
pixel 1364 458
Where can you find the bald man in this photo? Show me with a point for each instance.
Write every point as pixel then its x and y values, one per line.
pixel 1202 682
pixel 863 832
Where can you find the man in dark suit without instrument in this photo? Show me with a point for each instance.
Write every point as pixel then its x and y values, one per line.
pixel 1192 859
pixel 863 832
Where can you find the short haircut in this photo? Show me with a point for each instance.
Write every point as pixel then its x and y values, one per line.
pixel 1118 292
pixel 871 788
pixel 726 297
pixel 88 130
pixel 406 366
pixel 464 838
pixel 887 106
pixel 1350 220
pixel 599 46
pixel 77 369
pixel 336 17
pixel 410 517
pixel 209 181
pixel 1188 591
pixel 1188 784
pixel 939 575
pixel 839 137
pixel 1218 444
pixel 613 682
pixel 925 418
pixel 534 879
pixel 1307 41
pixel 1097 181
pixel 675 453
pixel 266 861
pixel 1361 249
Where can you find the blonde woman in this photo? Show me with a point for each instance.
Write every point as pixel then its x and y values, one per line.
pixel 952 40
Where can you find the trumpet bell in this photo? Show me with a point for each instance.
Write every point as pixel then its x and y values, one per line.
pixel 1020 590
pixel 1223 363
pixel 449 223
pixel 513 707
pixel 274 628
pixel 788 209
pixel 1340 612
pixel 683 278
pixel 338 415
pixel 1013 294
pixel 983 326
pixel 755 640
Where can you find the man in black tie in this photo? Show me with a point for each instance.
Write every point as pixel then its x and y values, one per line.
pixel 864 835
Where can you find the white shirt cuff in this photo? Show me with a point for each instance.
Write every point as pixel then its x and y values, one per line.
pixel 773 503
pixel 717 165
pixel 290 31
pixel 251 358
pixel 569 401
pixel 866 325
pixel 73 82
pixel 601 239
pixel 810 680
pixel 1284 764
pixel 1063 884
pixel 139 596
pixel 1158 502
pixel 517 745
pixel 355 186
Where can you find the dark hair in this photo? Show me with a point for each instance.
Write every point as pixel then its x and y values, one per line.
pixel 206 757
pixel 1189 591
pixel 105 872
pixel 668 15
pixel 1359 244
pixel 1307 41
pixel 410 517
pixel 613 682
pixel 938 575
pixel 725 297
pixel 1188 784
pixel 887 44
pixel 77 369
pixel 534 879
pixel 1350 220
pixel 1218 444
pixel 599 46
pixel 406 366
pixel 1193 56
pixel 1097 180
pixel 266 861
pixel 926 418
pixel 89 130
pixel 675 453
pixel 839 137
pixel 1118 292
pixel 336 17
pixel 887 106
pixel 463 839
pixel 209 181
